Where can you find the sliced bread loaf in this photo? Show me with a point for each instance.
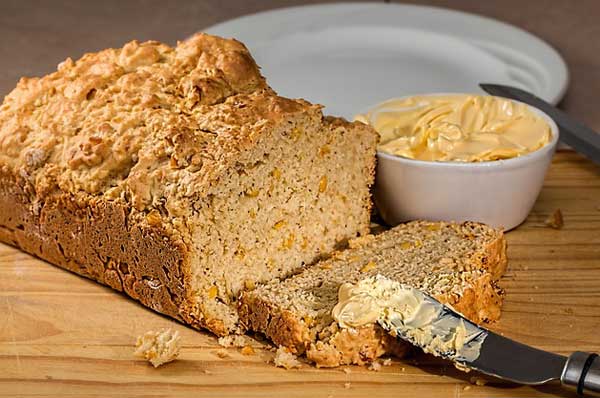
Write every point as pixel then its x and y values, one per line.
pixel 456 263
pixel 176 175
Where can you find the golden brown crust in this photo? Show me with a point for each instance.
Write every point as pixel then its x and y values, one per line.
pixel 480 302
pixel 96 239
pixel 132 123
pixel 356 347
pixel 497 261
pixel 282 326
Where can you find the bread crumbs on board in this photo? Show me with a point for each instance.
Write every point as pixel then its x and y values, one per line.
pixel 159 347
pixel 375 366
pixel 247 350
pixel 285 359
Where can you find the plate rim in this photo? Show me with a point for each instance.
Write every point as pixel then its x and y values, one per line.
pixel 554 62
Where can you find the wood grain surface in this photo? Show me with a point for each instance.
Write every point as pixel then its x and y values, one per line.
pixel 63 335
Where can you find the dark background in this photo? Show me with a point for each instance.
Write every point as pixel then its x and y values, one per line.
pixel 36 35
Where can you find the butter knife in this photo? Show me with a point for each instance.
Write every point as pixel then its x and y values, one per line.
pixel 501 357
pixel 581 138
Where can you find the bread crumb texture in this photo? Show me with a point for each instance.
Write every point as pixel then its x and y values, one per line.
pixel 158 347
pixel 285 359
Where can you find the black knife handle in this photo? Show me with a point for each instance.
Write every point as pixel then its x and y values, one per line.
pixel 582 371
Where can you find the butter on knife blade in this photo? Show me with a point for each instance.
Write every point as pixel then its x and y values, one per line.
pixel 408 313
pixel 411 315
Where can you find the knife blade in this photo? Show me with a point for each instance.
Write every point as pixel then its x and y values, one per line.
pixel 513 361
pixel 581 138
pixel 497 356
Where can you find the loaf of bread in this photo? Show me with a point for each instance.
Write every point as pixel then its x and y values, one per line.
pixel 456 263
pixel 177 176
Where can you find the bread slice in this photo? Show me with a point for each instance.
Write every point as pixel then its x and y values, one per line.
pixel 176 175
pixel 456 263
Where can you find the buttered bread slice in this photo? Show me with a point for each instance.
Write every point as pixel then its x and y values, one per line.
pixel 456 263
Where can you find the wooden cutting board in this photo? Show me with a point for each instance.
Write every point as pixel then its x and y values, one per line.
pixel 63 335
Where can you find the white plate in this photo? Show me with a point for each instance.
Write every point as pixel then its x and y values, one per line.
pixel 349 56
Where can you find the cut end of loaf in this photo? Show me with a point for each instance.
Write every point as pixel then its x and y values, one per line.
pixel 281 207
pixel 456 263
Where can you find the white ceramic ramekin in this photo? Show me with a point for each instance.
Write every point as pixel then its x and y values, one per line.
pixel 499 193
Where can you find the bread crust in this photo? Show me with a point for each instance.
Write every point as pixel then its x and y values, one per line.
pixel 356 347
pixel 497 260
pixel 284 328
pixel 101 240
